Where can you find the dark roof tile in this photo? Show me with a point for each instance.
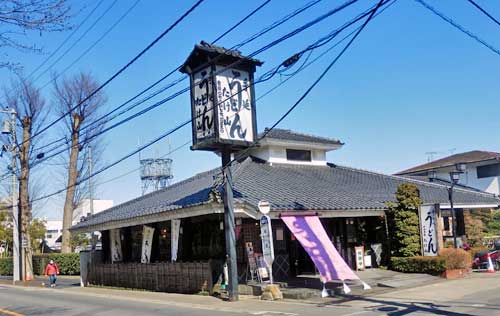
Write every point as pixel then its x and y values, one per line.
pixel 288 187
pixel 467 157
pixel 285 134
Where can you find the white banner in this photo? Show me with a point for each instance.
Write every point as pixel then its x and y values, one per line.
pixel 428 230
pixel 234 99
pixel 147 240
pixel 203 114
pixel 174 245
pixel 116 245
pixel 266 234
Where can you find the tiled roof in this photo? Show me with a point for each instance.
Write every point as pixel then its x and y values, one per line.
pixel 288 187
pixel 467 157
pixel 441 181
pixel 209 52
pixel 285 134
pixel 210 48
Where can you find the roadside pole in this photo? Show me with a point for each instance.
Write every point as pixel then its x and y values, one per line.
pixel 229 227
pixel 91 199
pixel 16 214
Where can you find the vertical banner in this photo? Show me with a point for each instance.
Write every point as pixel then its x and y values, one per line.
pixel 235 113
pixel 266 234
pixel 174 245
pixel 203 107
pixel 360 257
pixel 116 245
pixel 147 240
pixel 428 230
pixel 252 263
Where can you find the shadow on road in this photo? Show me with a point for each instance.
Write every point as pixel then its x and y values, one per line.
pixel 393 308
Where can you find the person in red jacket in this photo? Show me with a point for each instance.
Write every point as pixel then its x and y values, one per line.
pixel 52 270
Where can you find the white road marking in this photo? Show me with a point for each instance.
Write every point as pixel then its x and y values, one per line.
pixel 355 313
pixel 273 313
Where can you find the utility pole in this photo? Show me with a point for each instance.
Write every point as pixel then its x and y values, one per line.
pixel 16 216
pixel 91 199
pixel 229 226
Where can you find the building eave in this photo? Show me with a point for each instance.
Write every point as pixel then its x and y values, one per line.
pixel 275 214
pixel 299 144
pixel 240 209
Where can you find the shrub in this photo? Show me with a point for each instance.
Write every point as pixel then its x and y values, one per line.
pixel 449 244
pixel 403 223
pixel 419 264
pixel 6 266
pixel 68 263
pixel 456 258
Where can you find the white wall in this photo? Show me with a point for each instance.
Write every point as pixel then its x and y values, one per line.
pixel 84 208
pixel 469 178
pixel 54 230
pixel 276 154
pixel 54 227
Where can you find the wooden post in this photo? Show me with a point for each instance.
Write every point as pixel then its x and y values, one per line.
pixel 439 227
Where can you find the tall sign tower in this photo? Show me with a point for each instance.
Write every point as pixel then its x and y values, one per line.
pixel 223 120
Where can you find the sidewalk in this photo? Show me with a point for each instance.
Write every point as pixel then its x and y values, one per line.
pixel 302 288
pixel 308 287
pixel 63 281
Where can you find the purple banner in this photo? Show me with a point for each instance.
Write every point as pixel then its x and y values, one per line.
pixel 312 236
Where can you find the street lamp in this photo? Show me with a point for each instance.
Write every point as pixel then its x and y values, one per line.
pixel 9 128
pixel 455 178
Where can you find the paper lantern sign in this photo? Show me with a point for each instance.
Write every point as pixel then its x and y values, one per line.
pixel 222 97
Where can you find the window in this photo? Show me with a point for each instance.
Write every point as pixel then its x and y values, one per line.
pixel 298 155
pixel 51 231
pixel 446 222
pixel 488 171
pixel 49 236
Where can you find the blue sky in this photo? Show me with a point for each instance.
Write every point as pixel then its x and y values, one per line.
pixel 409 84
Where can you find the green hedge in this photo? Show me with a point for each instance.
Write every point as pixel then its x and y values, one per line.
pixel 68 263
pixel 5 266
pixel 430 265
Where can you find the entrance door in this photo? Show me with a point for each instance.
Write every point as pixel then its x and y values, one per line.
pixel 300 261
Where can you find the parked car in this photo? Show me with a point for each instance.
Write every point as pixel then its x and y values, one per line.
pixel 481 258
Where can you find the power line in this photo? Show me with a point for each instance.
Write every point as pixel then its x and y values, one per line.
pixel 307 63
pixel 248 40
pixel 65 40
pixel 189 120
pixel 311 87
pixel 138 168
pixel 132 61
pixel 277 23
pixel 458 26
pixel 484 11
pixel 262 49
pixel 123 16
pixel 77 41
pixel 241 21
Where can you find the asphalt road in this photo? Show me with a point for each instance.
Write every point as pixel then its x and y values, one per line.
pixel 478 296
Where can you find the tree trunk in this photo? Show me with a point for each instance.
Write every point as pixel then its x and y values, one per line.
pixel 24 200
pixel 72 179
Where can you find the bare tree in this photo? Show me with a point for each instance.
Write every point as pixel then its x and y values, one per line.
pixel 69 94
pixel 19 17
pixel 32 111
